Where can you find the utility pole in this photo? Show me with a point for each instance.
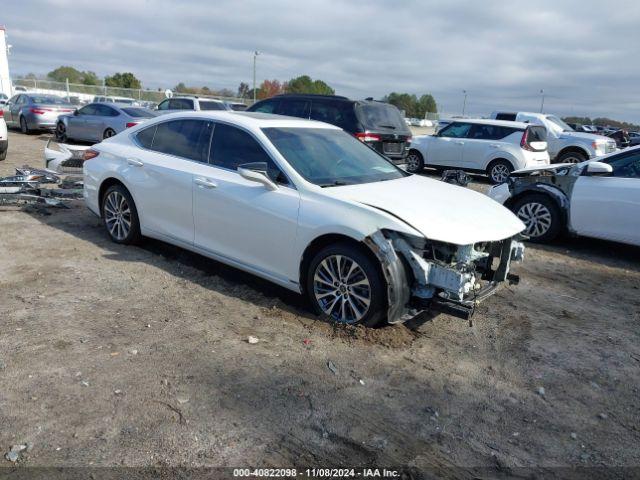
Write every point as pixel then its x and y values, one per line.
pixel 464 102
pixel 255 56
pixel 542 101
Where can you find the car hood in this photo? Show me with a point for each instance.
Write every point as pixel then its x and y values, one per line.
pixel 554 167
pixel 591 137
pixel 438 210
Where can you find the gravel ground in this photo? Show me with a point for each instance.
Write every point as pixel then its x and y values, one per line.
pixel 138 356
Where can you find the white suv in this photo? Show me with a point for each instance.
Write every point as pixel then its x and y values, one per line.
pixel 484 146
pixel 175 104
pixel 565 144
pixel 4 139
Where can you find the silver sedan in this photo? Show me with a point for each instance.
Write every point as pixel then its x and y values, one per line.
pixel 97 121
pixel 32 111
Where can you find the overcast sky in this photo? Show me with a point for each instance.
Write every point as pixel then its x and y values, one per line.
pixel 584 54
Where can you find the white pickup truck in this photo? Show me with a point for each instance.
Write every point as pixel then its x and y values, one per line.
pixel 564 144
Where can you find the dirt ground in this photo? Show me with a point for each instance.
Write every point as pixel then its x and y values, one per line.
pixel 138 356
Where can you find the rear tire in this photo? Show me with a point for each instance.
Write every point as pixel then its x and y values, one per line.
pixel 498 171
pixel 415 161
pixel 541 216
pixel 120 216
pixel 24 127
pixel 572 156
pixel 344 285
pixel 108 133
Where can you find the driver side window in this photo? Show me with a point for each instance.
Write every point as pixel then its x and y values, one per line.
pixel 627 166
pixel 456 130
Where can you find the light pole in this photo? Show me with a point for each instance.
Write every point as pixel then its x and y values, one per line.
pixel 255 56
pixel 464 102
pixel 542 101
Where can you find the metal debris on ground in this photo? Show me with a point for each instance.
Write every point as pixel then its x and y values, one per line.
pixel 332 367
pixel 26 187
pixel 456 177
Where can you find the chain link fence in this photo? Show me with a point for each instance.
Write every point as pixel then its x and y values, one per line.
pixel 80 93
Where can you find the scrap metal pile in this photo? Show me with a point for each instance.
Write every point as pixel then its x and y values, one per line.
pixel 31 186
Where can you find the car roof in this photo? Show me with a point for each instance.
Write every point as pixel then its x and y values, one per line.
pixel 485 121
pixel 254 120
pixel 195 97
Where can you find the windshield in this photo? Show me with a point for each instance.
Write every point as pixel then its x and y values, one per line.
pixel 329 157
pixel 376 115
pixel 559 124
pixel 50 100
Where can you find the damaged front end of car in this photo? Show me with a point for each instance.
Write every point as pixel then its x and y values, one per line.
pixel 429 275
pixel 64 158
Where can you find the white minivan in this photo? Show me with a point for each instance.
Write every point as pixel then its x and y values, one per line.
pixel 482 146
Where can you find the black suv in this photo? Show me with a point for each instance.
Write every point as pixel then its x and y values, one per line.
pixel 379 125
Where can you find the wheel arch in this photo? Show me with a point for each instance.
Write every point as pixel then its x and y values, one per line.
pixel 575 149
pixel 503 158
pixel 557 195
pixel 327 239
pixel 106 183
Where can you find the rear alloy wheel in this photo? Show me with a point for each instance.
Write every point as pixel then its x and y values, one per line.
pixel 415 162
pixel 61 132
pixel 24 127
pixel 540 215
pixel 344 284
pixel 499 171
pixel 120 216
pixel 108 133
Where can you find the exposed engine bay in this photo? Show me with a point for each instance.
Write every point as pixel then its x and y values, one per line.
pixel 441 276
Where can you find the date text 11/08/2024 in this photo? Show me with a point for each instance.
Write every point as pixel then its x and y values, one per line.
pixel 316 473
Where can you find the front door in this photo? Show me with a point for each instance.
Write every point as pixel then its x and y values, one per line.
pixel 608 207
pixel 239 219
pixel 446 148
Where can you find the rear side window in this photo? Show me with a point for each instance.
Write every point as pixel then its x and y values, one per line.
pixel 183 138
pixel 490 132
pixel 180 104
pixel 341 114
pixel 105 111
pixel 266 106
pixel 377 115
pixel 145 137
pixel 294 108
pixel 455 130
pixel 232 147
pixel 511 117
pixel 211 105
pixel 138 112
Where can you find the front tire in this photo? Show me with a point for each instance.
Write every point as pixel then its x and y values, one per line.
pixel 344 284
pixel 415 161
pixel 541 216
pixel 61 132
pixel 24 127
pixel 120 216
pixel 3 155
pixel 499 171
pixel 572 156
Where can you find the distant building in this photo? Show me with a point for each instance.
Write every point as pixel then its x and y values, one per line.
pixel 5 79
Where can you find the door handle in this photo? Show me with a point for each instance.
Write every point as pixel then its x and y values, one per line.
pixel 134 162
pixel 205 183
pixel 459 143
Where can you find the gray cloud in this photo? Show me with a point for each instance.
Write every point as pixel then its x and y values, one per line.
pixel 582 53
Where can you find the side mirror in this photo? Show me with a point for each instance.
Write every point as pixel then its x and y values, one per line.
pixel 598 168
pixel 75 113
pixel 257 172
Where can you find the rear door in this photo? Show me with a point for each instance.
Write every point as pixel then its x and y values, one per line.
pixel 484 142
pixel 608 207
pixel 98 123
pixel 446 148
pixel 162 175
pixel 241 220
pixel 76 124
pixel 294 107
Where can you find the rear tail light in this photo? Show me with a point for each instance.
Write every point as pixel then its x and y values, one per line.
pixel 89 154
pixel 524 141
pixel 132 124
pixel 1 113
pixel 39 111
pixel 367 137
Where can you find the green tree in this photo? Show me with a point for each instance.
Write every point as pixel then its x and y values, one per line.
pixel 63 73
pixel 90 78
pixel 243 90
pixel 304 84
pixel 412 105
pixel 123 80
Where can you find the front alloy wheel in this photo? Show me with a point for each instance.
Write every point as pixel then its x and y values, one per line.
pixel 342 289
pixel 344 284
pixel 61 132
pixel 541 217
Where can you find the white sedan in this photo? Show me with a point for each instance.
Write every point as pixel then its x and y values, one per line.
pixel 599 199
pixel 307 206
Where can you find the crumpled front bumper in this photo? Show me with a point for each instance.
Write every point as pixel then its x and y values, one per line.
pixel 64 158
pixel 415 284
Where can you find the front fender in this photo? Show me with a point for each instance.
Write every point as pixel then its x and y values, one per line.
pixel 552 191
